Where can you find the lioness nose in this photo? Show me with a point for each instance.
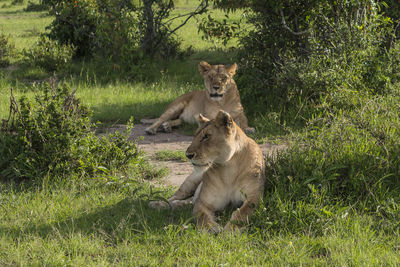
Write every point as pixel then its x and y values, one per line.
pixel 189 155
pixel 216 87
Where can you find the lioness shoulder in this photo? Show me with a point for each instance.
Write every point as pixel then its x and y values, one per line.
pixel 228 169
pixel 221 93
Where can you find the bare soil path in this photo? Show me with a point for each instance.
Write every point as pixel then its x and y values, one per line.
pixel 174 141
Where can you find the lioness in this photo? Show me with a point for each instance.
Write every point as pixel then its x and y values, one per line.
pixel 228 168
pixel 221 93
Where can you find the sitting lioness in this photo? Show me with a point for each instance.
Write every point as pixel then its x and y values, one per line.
pixel 228 169
pixel 221 93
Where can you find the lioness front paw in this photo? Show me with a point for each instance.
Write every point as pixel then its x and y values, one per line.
pixel 232 227
pixel 211 229
pixel 166 128
pixel 249 130
pixel 150 131
pixel 159 205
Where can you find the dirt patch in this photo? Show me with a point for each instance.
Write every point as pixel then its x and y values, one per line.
pixel 174 141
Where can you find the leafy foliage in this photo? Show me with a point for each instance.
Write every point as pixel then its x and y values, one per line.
pixel 6 50
pixel 49 54
pixel 215 30
pixel 300 52
pixel 230 5
pixel 52 136
pixel 93 26
pixel 120 30
pixel 34 7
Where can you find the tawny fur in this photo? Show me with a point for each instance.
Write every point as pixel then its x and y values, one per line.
pixel 228 169
pixel 221 94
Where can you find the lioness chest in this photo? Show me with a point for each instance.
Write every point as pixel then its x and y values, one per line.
pixel 227 184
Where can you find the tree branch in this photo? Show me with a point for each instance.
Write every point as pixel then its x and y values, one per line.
pixel 199 10
pixel 287 27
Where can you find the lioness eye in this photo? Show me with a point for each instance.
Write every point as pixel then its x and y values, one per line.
pixel 205 137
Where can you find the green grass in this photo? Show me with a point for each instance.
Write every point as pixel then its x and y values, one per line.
pixel 24 27
pixel 95 223
pixel 170 155
pixel 101 221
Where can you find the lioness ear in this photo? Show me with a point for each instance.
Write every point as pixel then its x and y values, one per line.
pixel 201 120
pixel 223 119
pixel 204 67
pixel 232 69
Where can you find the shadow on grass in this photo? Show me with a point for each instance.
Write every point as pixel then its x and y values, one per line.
pixel 11 12
pixel 92 72
pixel 117 113
pixel 113 223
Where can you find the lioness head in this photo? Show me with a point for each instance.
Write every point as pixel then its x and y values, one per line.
pixel 214 141
pixel 217 79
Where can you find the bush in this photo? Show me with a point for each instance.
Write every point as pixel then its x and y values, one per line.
pixel 6 50
pixel 17 2
pixel 117 30
pixel 53 136
pixel 49 54
pixel 92 26
pixel 34 7
pixel 299 53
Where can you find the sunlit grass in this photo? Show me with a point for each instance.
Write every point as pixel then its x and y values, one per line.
pixel 23 27
pixel 97 223
pixel 170 155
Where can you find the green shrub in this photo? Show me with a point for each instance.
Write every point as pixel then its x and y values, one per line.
pixel 17 2
pixel 298 53
pixel 77 22
pixel 6 50
pixel 53 136
pixel 49 54
pixel 35 7
pixel 117 30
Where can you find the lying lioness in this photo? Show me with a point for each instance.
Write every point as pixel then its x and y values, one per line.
pixel 221 93
pixel 228 168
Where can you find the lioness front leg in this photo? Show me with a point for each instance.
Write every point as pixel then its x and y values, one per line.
pixel 240 216
pixel 167 126
pixel 204 215
pixel 170 114
pixel 174 204
pixel 184 195
pixel 148 121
